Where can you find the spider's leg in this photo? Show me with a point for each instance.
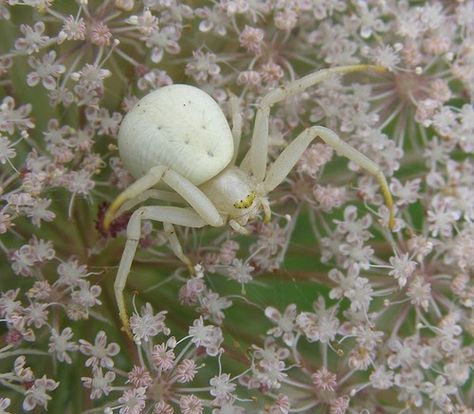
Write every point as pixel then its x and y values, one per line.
pixel 256 159
pixel 167 215
pixel 186 190
pixel 152 193
pixel 292 153
pixel 150 179
pixel 238 227
pixel 176 246
pixel 199 201
pixel 236 124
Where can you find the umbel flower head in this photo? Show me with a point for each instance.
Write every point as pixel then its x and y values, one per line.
pixel 331 305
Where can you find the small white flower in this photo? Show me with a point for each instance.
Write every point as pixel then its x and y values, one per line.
pixel 60 346
pixel 37 394
pixel 147 325
pixel 403 268
pixel 100 353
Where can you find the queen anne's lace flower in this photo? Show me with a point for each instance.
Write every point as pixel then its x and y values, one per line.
pixel 37 394
pixel 33 39
pixel 392 320
pixel 209 337
pixel 46 71
pixel 101 353
pixel 147 324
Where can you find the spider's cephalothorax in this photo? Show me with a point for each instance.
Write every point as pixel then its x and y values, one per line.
pixel 179 136
pixel 236 195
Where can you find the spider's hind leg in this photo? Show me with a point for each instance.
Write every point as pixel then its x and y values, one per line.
pixel 167 215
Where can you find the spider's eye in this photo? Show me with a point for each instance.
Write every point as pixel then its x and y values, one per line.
pixel 247 201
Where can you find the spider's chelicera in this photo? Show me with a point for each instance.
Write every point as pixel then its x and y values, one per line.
pixel 178 135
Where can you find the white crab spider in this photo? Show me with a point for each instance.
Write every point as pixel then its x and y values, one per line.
pixel 178 135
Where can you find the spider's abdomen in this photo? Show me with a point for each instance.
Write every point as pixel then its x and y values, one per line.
pixel 179 126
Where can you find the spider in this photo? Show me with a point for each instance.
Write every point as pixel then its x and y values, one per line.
pixel 178 135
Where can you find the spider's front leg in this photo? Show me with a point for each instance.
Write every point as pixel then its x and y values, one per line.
pixel 292 153
pixel 256 159
pixel 236 124
pixel 258 152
